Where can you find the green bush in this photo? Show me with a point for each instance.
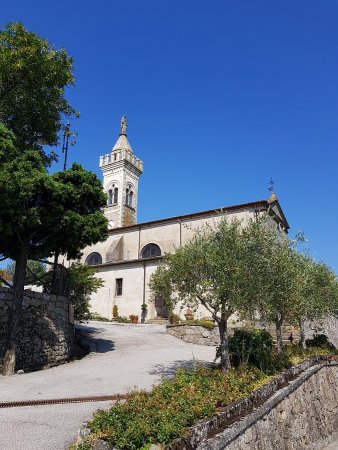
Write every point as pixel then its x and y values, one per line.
pixel 254 347
pixel 321 341
pixel 97 316
pixel 122 319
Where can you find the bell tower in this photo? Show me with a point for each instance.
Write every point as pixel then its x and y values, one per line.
pixel 121 170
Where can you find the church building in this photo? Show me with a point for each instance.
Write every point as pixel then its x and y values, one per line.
pixel 132 252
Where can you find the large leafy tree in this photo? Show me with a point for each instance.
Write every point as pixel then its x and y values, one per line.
pixel 216 270
pixel 41 215
pixel 33 78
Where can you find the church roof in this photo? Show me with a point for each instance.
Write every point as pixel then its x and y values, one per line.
pixel 264 204
pixel 122 143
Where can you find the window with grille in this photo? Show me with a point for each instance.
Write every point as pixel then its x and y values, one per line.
pixel 118 287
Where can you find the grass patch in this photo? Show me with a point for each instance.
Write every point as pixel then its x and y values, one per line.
pixel 205 323
pixel 295 354
pixel 97 316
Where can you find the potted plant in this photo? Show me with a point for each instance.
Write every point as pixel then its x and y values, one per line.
pixel 144 310
pixel 189 315
pixel 133 318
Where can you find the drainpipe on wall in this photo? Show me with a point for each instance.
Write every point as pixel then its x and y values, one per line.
pixel 139 242
pixel 144 311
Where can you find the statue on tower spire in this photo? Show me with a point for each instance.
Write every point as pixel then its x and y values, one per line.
pixel 124 125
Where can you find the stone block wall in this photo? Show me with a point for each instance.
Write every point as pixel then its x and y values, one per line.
pixel 195 334
pixel 46 335
pixel 297 409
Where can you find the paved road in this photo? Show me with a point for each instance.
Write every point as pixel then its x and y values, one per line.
pixel 127 356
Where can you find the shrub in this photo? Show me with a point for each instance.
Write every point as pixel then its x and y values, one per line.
pixel 97 316
pixel 115 312
pixel 122 319
pixel 205 323
pixel 174 319
pixel 321 341
pixel 254 347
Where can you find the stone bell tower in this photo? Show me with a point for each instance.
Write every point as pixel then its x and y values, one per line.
pixel 121 171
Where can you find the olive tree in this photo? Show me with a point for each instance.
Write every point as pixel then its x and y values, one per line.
pixel 216 270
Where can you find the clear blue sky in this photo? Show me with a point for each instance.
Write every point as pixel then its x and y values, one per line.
pixel 219 96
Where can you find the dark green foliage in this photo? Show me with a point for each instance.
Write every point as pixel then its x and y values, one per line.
pixel 165 413
pixel 252 346
pixel 42 215
pixel 33 78
pixel 46 213
pixel 321 341
pixel 82 283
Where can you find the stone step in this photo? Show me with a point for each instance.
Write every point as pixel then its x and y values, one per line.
pixel 158 321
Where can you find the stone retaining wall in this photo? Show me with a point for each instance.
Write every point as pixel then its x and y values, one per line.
pixel 46 335
pixel 195 334
pixel 298 409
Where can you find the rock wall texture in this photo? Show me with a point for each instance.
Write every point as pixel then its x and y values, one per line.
pixel 194 334
pixel 327 326
pixel 298 409
pixel 46 335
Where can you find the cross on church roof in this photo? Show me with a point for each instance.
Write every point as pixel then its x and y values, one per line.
pixel 271 185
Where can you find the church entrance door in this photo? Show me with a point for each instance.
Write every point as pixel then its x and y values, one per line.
pixel 160 307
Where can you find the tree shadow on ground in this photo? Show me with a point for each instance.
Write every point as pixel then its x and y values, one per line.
pixel 89 335
pixel 169 370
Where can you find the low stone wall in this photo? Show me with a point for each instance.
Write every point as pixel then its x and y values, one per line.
pixel 46 334
pixel 296 410
pixel 195 334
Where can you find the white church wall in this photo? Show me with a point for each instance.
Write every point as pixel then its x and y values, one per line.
pixel 167 236
pixel 134 288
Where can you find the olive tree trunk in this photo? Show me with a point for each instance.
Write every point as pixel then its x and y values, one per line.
pixel 279 337
pixel 224 348
pixel 302 333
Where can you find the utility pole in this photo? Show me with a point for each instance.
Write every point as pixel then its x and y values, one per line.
pixel 66 136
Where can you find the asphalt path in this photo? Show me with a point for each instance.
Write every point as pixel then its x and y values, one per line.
pixel 126 357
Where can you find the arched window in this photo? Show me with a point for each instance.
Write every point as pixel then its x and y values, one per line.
pixel 150 251
pixel 94 259
pixel 113 195
pixel 116 193
pixel 110 197
pixel 129 197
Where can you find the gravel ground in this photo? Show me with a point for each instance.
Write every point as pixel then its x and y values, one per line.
pixel 126 357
